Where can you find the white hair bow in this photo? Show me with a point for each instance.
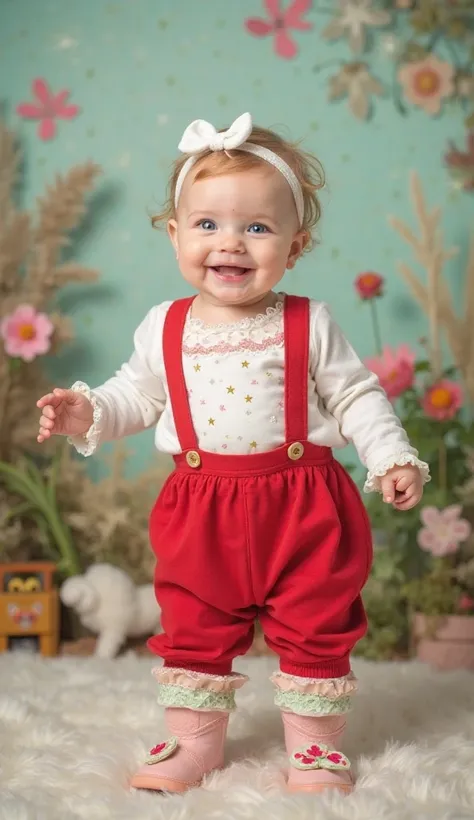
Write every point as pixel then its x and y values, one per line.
pixel 201 136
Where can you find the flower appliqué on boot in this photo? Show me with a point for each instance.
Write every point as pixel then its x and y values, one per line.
pixel 161 751
pixel 319 756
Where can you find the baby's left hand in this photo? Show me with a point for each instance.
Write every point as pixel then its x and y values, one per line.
pixel 402 487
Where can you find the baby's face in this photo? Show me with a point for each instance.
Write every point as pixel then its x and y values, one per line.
pixel 235 235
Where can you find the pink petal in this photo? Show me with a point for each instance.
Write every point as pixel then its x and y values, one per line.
pixel 47 129
pixel 430 517
pixel 59 99
pixel 27 352
pixel 38 346
pixel 273 8
pixel 12 345
pixel 426 540
pixel 24 313
pixel 43 325
pixel 29 111
pixel 258 27
pixel 284 45
pixel 461 530
pixel 293 14
pixel 41 90
pixel 68 112
pixel 406 353
pixel 451 513
pixel 445 546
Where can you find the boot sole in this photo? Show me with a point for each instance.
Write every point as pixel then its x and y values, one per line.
pixel 317 788
pixel 161 784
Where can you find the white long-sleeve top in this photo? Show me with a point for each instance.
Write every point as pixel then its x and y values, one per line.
pixel 235 380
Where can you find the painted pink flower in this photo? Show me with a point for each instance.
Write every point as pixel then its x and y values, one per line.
pixel 427 82
pixel 443 530
pixel 279 25
pixel 157 749
pixel 442 400
pixel 395 369
pixel 26 333
pixel 47 108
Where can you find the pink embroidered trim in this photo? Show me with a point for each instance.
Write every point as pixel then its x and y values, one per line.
pixel 246 345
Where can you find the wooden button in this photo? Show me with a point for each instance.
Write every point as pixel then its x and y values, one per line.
pixel 295 451
pixel 193 459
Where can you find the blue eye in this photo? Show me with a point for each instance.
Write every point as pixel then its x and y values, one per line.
pixel 207 225
pixel 257 228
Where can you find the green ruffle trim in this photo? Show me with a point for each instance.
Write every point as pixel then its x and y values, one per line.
pixel 302 703
pixel 182 696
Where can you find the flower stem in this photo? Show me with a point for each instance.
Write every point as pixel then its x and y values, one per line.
pixel 443 469
pixel 376 327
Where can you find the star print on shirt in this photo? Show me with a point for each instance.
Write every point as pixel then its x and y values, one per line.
pixel 248 399
pixel 197 367
pixel 245 364
pixel 253 445
pixel 231 389
pixel 211 422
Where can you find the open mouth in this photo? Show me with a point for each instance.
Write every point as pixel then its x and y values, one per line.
pixel 230 273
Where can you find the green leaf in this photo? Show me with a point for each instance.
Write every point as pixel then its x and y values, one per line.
pixel 18 509
pixel 422 366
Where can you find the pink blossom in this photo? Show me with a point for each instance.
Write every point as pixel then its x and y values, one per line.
pixel 279 24
pixel 48 107
pixel 442 400
pixel 443 530
pixel 395 369
pixel 26 333
pixel 369 285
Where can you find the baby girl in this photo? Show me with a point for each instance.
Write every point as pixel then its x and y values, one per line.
pixel 249 389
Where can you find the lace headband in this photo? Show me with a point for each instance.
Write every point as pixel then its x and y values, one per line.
pixel 201 136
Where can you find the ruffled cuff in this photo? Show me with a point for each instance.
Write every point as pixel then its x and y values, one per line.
pixel 314 696
pixel 87 443
pixel 195 690
pixel 372 483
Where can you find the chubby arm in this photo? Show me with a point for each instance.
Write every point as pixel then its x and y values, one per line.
pixel 133 399
pixel 353 395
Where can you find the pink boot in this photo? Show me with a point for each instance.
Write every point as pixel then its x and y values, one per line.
pixel 194 749
pixel 313 745
pixel 313 712
pixel 197 715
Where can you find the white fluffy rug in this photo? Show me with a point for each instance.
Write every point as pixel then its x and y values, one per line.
pixel 72 730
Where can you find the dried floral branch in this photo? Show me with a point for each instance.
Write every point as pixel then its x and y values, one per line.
pixel 32 271
pixel 435 297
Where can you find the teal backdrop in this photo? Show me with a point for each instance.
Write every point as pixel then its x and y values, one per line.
pixel 140 71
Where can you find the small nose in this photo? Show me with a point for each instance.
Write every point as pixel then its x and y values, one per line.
pixel 231 242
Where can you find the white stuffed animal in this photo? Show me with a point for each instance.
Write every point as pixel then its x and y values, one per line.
pixel 111 605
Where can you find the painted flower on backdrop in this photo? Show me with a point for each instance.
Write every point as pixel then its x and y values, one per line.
pixel 356 83
pixel 26 333
pixel 461 163
pixel 443 530
pixel 395 370
pixel 279 24
pixel 47 108
pixel 352 21
pixel 442 400
pixel 426 83
pixel 369 285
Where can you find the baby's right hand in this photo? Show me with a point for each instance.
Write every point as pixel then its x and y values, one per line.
pixel 64 413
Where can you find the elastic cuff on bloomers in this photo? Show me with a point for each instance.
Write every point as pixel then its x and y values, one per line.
pixel 184 688
pixel 314 696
